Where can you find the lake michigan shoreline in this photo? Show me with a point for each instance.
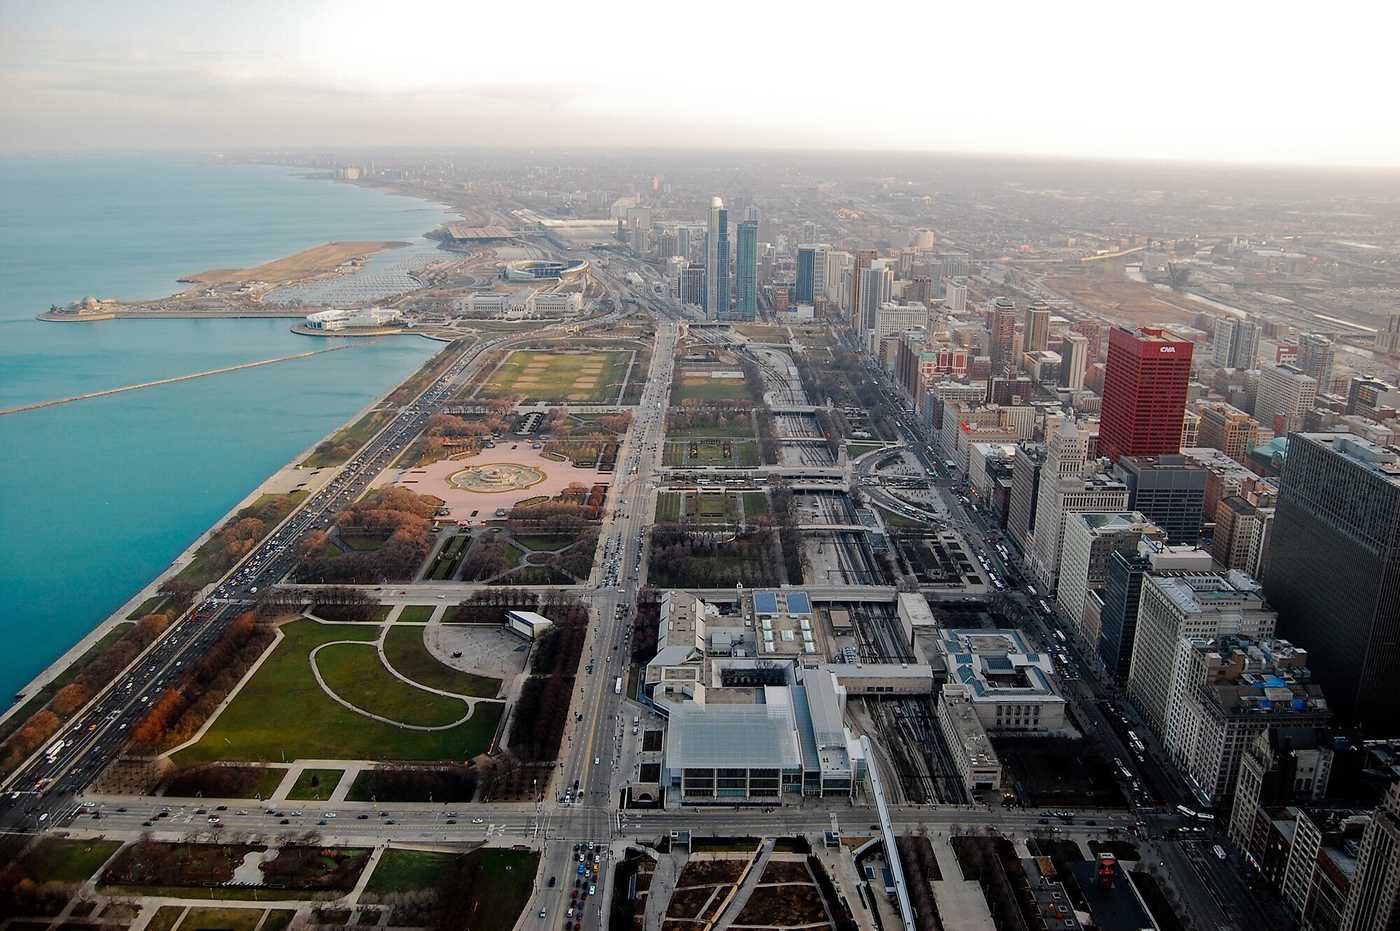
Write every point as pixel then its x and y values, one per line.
pixel 319 478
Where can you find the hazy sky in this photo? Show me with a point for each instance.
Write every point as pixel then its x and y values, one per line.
pixel 1228 80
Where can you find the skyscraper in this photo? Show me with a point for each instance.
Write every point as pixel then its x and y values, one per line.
pixel 1334 571
pixel 1003 329
pixel 862 261
pixel 717 261
pixel 1144 392
pixel 1074 360
pixel 1037 326
pixel 1315 355
pixel 1235 344
pixel 1285 395
pixel 811 272
pixel 876 286
pixel 1069 485
pixel 1169 490
pixel 746 271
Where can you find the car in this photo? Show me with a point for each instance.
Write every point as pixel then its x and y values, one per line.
pixel 285 821
pixel 552 881
pixel 361 817
pixel 478 821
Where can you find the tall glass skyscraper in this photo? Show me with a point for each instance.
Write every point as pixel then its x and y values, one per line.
pixel 1334 572
pixel 717 261
pixel 746 271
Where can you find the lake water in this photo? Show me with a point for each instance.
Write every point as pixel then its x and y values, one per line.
pixel 97 497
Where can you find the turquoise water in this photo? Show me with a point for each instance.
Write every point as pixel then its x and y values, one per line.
pixel 97 497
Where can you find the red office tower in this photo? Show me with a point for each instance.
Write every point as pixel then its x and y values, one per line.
pixel 1144 392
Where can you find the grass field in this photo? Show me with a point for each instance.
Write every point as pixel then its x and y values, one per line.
pixel 697 385
pixel 317 260
pixel 69 861
pixel 710 452
pixel 502 881
pixel 283 714
pixel 221 919
pixel 354 672
pixel 539 375
pixel 165 918
pixel 402 871
pixel 416 614
pixel 406 653
pixel 226 782
pixel 448 558
pixel 146 607
pixel 315 785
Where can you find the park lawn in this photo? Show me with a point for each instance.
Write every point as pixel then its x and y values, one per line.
pixel 502 881
pixel 445 563
pixel 556 380
pixel 69 861
pixel 210 561
pixel 221 919
pixel 406 652
pixel 739 425
pixel 546 543
pixel 741 453
pixel 147 607
pixel 278 918
pixel 705 388
pixel 402 871
pixel 226 782
pixel 354 672
pixel 416 614
pixel 282 714
pixel 762 332
pixel 858 447
pixel 669 506
pixel 165 918
pixel 315 785
pixel 755 504
pixel 337 448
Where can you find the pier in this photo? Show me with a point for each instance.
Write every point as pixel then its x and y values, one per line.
pixel 54 402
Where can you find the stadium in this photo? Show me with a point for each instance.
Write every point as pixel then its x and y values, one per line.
pixel 544 270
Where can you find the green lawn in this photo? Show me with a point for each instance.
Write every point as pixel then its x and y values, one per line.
pixel 278 918
pixel 221 919
pixel 558 375
pixel 315 785
pixel 402 871
pixel 669 505
pixel 69 861
pixel 416 614
pixel 449 557
pixel 502 880
pixel 355 673
pixel 410 657
pixel 165 918
pixel 701 387
pixel 147 607
pixel 710 452
pixel 282 714
pixel 755 504
pixel 543 544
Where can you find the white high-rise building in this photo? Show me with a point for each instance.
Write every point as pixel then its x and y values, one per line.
pixel 1069 484
pixel 955 298
pixel 891 318
pixel 1285 392
pixel 1175 609
pixel 1074 360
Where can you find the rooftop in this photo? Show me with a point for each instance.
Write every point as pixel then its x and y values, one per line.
pixel 1382 461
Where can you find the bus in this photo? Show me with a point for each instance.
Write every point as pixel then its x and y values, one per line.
pixel 1030 590
pixel 617 686
pixel 1193 814
pixel 1218 851
pixel 1059 636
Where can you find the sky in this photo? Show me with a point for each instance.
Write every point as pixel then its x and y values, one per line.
pixel 1237 81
